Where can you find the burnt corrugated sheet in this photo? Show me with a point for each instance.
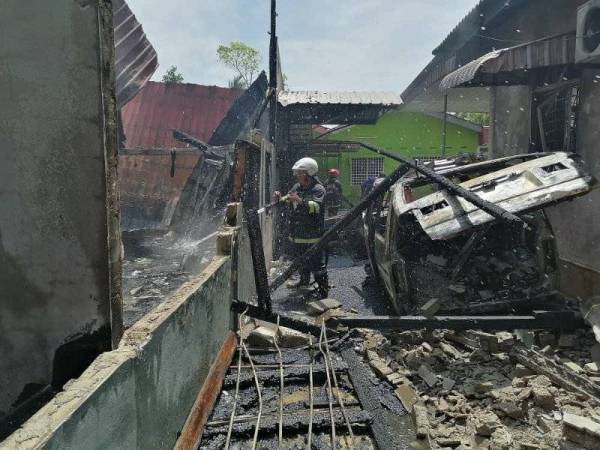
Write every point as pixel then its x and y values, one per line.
pixel 148 193
pixel 242 114
pixel 135 58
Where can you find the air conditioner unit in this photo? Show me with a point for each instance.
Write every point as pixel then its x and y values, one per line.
pixel 588 33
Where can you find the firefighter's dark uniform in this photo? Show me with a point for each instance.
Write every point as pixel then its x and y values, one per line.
pixel 307 223
pixel 333 196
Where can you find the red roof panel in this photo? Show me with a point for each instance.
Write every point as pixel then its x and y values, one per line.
pixel 160 107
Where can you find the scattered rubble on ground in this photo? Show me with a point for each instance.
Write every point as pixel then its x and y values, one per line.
pixel 467 391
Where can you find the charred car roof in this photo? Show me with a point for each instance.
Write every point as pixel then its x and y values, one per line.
pixel 542 180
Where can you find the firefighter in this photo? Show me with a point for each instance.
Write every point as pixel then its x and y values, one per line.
pixel 333 192
pixel 307 222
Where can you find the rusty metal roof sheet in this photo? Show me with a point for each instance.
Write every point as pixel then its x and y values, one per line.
pixel 135 57
pixel 148 119
pixel 339 98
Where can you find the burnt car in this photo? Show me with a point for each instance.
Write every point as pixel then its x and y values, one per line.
pixel 425 243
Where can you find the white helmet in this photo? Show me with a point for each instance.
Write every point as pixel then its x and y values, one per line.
pixel 307 165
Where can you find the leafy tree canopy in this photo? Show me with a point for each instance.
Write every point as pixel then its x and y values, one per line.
pixel 172 76
pixel 243 59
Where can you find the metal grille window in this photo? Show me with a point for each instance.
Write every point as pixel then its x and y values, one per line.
pixel 363 168
pixel 557 119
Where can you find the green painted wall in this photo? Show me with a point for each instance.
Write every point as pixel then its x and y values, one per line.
pixel 410 134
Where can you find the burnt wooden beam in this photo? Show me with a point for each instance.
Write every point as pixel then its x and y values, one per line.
pixel 189 139
pixel 333 232
pixel 488 207
pixel 261 280
pixel 384 425
pixel 563 320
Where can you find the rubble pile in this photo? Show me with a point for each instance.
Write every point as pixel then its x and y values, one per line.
pixel 498 270
pixel 466 391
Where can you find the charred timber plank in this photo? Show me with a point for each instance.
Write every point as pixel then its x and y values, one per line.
pixel 465 252
pixel 271 377
pixel 564 320
pixel 490 208
pixel 292 423
pixel 557 373
pixel 257 313
pixel 258 261
pixel 203 406
pixel 384 429
pixel 332 233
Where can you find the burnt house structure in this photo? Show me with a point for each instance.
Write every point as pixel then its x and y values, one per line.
pixel 522 62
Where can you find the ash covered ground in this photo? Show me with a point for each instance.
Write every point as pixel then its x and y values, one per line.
pixel 155 265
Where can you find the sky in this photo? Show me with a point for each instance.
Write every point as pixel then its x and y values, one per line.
pixel 327 45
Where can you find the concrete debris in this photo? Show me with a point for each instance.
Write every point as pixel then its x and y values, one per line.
pixel 320 306
pixel 573 366
pixel 465 391
pixel 582 430
pixel 421 421
pixel 427 375
pixel 407 396
pixel 486 423
pixel 262 337
pixel 289 338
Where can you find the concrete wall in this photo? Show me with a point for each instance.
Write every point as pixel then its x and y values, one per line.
pixel 576 223
pixel 511 120
pixel 138 396
pixel 59 245
pixel 410 134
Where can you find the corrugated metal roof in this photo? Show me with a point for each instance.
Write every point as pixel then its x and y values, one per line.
pixel 135 58
pixel 149 118
pixel 552 51
pixel 467 72
pixel 474 23
pixel 338 98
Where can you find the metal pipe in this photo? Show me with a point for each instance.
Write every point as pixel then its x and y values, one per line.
pixel 310 393
pixel 237 388
pixel 280 387
pixel 445 125
pixel 337 388
pixel 329 389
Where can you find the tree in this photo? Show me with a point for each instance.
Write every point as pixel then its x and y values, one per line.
pixel 243 59
pixel 237 83
pixel 172 76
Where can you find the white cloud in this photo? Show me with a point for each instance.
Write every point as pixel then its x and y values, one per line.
pixel 325 44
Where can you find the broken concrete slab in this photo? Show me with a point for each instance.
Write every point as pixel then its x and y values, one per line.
pixel 427 375
pixel 450 350
pixel 421 421
pixel 485 423
pixel 262 337
pixel 289 338
pixel 581 430
pixel 320 306
pixel 407 396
